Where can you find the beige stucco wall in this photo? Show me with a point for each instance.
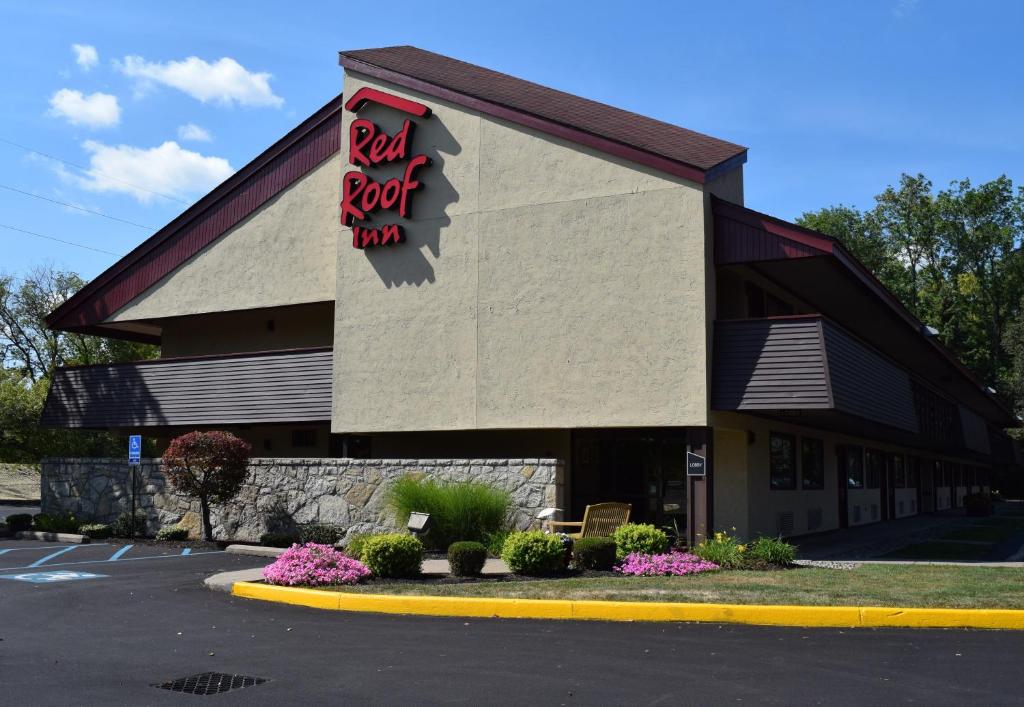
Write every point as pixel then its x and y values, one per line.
pixel 542 285
pixel 763 504
pixel 282 254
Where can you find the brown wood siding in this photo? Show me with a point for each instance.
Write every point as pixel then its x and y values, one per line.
pixel 738 242
pixel 291 386
pixel 867 384
pixel 765 364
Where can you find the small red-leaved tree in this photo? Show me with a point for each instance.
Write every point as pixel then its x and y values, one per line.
pixel 210 466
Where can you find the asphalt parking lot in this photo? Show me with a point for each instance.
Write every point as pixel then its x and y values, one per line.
pixel 148 620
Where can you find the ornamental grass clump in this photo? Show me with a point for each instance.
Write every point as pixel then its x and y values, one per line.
pixel 314 565
pixel 463 510
pixel 672 564
pixel 771 551
pixel 723 549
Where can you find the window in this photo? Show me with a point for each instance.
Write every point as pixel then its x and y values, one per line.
pixel 783 461
pixel 854 463
pixel 899 472
pixel 303 438
pixel 873 461
pixel 913 472
pixel 812 463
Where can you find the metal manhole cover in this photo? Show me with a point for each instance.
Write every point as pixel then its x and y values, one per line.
pixel 210 683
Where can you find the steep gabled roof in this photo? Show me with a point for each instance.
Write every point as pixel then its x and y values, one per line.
pixel 660 145
pixel 276 168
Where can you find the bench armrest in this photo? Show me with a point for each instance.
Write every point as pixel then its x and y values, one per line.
pixel 568 524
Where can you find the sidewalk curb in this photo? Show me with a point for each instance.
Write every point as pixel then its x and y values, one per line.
pixel 255 550
pixel 52 537
pixel 225 581
pixel 760 615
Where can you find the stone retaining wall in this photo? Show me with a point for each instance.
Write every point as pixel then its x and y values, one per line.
pixel 280 493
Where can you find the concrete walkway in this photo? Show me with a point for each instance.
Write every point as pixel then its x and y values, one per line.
pixel 864 543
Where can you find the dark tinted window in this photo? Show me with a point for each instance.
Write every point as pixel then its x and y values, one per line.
pixel 854 462
pixel 812 463
pixel 783 461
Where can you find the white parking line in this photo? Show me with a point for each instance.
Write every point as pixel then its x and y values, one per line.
pixel 104 562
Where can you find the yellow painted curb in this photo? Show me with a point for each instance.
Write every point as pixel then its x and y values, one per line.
pixel 757 614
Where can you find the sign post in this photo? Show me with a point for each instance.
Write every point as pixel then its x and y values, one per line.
pixel 134 460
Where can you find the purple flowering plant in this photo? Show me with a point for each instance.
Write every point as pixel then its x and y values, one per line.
pixel 671 564
pixel 313 565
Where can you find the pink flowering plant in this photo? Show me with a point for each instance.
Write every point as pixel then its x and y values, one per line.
pixel 313 565
pixel 671 564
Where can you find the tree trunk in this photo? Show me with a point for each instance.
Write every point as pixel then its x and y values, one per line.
pixel 204 506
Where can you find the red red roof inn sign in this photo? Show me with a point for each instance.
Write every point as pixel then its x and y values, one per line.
pixel 371 147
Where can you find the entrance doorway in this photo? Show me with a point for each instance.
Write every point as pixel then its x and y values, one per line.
pixel 643 467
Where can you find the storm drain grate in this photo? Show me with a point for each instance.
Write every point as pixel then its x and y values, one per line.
pixel 210 683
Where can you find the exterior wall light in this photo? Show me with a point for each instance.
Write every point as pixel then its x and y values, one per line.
pixel 929 331
pixel 419 523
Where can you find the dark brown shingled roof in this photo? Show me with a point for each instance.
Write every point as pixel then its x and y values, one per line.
pixel 632 130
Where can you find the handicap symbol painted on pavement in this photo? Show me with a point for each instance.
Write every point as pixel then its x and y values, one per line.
pixel 48 577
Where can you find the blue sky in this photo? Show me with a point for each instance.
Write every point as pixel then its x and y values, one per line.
pixel 834 100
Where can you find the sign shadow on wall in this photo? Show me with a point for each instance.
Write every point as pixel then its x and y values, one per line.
pixel 407 263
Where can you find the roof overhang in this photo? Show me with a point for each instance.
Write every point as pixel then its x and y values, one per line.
pixel 820 271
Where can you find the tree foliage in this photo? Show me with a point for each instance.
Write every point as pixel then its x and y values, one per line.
pixel 29 353
pixel 208 466
pixel 953 258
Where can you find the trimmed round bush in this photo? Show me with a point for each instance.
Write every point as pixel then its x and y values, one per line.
pixel 393 555
pixel 19 521
pixel 314 565
pixel 172 532
pixel 533 553
pixel 319 533
pixel 594 554
pixel 279 539
pixel 466 558
pixel 639 538
pixel 96 531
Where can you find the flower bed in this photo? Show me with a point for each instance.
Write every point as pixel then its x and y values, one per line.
pixel 671 564
pixel 313 565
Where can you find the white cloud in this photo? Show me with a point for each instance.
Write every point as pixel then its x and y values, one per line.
pixel 86 56
pixel 97 110
pixel 191 131
pixel 139 172
pixel 904 8
pixel 225 81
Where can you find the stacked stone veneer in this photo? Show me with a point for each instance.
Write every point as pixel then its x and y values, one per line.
pixel 281 493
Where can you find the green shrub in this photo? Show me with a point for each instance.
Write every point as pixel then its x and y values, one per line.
pixel 278 539
pixel 172 532
pixel 354 546
pixel 124 524
pixel 466 558
pixel 772 551
pixel 495 541
pixel 96 531
pixel 319 533
pixel 57 523
pixel 393 555
pixel 594 554
pixel 533 553
pixel 641 538
pixel 18 522
pixel 723 549
pixel 462 510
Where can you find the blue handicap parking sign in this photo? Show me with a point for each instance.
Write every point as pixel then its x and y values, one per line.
pixel 50 577
pixel 134 449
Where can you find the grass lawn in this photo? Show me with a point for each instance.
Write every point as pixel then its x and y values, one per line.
pixel 868 585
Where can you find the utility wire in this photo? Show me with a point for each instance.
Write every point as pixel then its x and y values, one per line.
pixel 80 208
pixel 88 170
pixel 58 240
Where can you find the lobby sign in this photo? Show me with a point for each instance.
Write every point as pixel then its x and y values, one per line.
pixel 696 465
pixel 371 147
